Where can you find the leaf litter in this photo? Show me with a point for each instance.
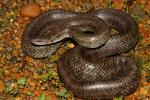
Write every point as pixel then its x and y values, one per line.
pixel 22 77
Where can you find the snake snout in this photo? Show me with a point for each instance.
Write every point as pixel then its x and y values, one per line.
pixel 49 39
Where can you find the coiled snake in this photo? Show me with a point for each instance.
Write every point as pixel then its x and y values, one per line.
pixel 95 69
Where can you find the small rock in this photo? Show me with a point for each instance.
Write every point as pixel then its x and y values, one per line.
pixel 2 86
pixel 31 10
pixel 40 71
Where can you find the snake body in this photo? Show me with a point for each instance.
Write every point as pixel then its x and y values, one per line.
pixel 33 29
pixel 95 69
pixel 112 77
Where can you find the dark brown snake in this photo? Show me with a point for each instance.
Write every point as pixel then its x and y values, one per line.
pixel 95 68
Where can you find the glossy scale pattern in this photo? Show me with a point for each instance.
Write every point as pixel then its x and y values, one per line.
pixel 95 69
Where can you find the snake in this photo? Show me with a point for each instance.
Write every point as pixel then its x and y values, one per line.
pixel 95 68
pixel 34 29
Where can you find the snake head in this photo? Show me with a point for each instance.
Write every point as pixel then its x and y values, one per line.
pixel 48 40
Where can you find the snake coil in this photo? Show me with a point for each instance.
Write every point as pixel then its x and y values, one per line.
pixel 95 69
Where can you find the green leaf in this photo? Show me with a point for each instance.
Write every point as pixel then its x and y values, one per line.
pixel 119 98
pixel 22 81
pixel 52 73
pixel 110 4
pixel 44 77
pixel 11 90
pixel 8 89
pixel 51 65
pixel 137 18
pixel 53 58
pixel 42 97
pixel 62 93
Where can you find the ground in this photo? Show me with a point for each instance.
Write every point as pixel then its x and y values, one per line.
pixel 25 78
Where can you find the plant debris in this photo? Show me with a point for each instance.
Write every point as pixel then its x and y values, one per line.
pixel 25 78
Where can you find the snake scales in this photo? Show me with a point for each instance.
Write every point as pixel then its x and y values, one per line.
pixel 95 69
